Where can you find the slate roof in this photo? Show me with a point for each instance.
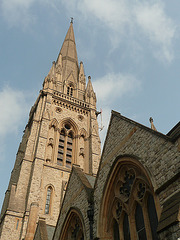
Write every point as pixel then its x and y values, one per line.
pixel 169 215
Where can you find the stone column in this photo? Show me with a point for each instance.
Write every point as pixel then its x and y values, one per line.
pixel 31 228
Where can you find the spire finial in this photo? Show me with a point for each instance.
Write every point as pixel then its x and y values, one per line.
pixel 71 19
pixel 152 124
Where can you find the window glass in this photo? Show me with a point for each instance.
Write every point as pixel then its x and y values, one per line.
pixel 126 228
pixel 152 216
pixel 48 198
pixel 116 231
pixel 140 227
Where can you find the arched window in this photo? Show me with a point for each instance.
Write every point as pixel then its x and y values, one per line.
pixel 128 207
pixel 48 200
pixel 73 227
pixel 65 146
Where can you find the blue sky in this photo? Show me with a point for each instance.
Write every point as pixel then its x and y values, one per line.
pixel 129 48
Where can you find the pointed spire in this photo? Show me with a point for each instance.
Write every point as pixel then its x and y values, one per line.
pixel 82 78
pixel 69 46
pixel 69 55
pixel 89 86
pixel 90 94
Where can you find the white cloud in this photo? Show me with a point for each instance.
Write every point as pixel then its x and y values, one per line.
pixel 113 86
pixel 17 12
pixel 160 29
pixel 109 89
pixel 103 121
pixel 127 17
pixel 120 17
pixel 13 110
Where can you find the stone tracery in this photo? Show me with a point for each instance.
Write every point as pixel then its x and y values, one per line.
pixel 127 197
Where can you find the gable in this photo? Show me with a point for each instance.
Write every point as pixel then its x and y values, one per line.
pixel 77 197
pixel 71 79
pixel 154 151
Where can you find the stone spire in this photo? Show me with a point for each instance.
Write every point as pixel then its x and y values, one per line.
pixel 69 55
pixel 82 77
pixel 90 95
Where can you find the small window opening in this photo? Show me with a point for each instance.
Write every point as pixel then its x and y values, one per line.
pixel 70 91
pixel 67 126
pixel 48 198
pixel 17 224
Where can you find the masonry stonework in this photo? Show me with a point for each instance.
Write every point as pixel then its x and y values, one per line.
pixel 58 134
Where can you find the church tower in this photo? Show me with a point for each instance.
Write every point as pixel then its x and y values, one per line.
pixel 62 130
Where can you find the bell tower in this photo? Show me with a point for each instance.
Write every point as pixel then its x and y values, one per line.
pixel 62 130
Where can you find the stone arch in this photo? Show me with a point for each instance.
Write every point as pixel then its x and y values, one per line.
pixel 68 121
pixel 73 226
pixel 128 184
pixel 67 142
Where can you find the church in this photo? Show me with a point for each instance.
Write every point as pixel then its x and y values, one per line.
pixel 62 187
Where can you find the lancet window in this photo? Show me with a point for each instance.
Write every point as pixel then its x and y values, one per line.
pixel 65 146
pixel 48 200
pixel 131 207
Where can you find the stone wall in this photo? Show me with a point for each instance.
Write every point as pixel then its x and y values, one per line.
pixel 154 151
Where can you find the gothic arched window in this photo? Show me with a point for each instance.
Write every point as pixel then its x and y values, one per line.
pixel 128 208
pixel 48 200
pixel 65 146
pixel 73 227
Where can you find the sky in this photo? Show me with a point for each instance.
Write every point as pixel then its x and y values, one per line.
pixel 130 48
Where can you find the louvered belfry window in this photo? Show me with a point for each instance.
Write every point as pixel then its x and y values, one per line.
pixel 61 148
pixel 65 147
pixel 69 150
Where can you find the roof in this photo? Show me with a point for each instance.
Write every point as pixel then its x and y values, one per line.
pixel 170 212
pixel 43 231
pixel 169 136
pixel 86 180
pixel 174 133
